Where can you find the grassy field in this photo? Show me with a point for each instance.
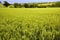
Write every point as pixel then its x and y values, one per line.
pixel 29 23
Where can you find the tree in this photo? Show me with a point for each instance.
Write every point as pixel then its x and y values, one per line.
pixel 16 5
pixel 33 5
pixel 6 3
pixel 0 1
pixel 20 5
pixel 26 5
pixel 58 4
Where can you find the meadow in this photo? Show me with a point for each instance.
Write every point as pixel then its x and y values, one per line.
pixel 29 23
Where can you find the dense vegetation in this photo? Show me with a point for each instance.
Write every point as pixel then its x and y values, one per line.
pixel 30 24
pixel 31 5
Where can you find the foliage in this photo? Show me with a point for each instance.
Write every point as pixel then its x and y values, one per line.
pixel 6 3
pixel 11 6
pixel 33 5
pixel 2 6
pixel 16 5
pixel 26 5
pixel 20 5
pixel 0 1
pixel 58 4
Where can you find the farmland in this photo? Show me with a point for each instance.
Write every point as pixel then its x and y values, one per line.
pixel 29 23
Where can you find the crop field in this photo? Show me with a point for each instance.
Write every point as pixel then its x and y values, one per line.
pixel 29 23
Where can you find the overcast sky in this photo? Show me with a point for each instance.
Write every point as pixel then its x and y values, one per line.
pixel 27 1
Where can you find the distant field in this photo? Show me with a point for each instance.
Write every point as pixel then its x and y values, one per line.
pixel 29 23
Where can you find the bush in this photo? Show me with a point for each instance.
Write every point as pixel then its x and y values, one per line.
pixel 11 6
pixel 2 6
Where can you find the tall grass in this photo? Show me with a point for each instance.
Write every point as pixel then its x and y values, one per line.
pixel 29 24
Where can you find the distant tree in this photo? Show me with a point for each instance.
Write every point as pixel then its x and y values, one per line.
pixel 16 5
pixel 58 4
pixel 36 5
pixel 26 5
pixel 31 6
pixel 20 5
pixel 53 5
pixel 6 3
pixel 0 1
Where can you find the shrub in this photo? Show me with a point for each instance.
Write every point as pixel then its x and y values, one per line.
pixel 2 6
pixel 11 6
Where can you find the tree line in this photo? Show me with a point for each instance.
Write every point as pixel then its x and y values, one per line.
pixel 30 5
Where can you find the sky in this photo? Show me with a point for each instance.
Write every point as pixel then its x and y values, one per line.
pixel 28 1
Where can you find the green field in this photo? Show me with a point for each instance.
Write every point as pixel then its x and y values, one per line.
pixel 29 23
